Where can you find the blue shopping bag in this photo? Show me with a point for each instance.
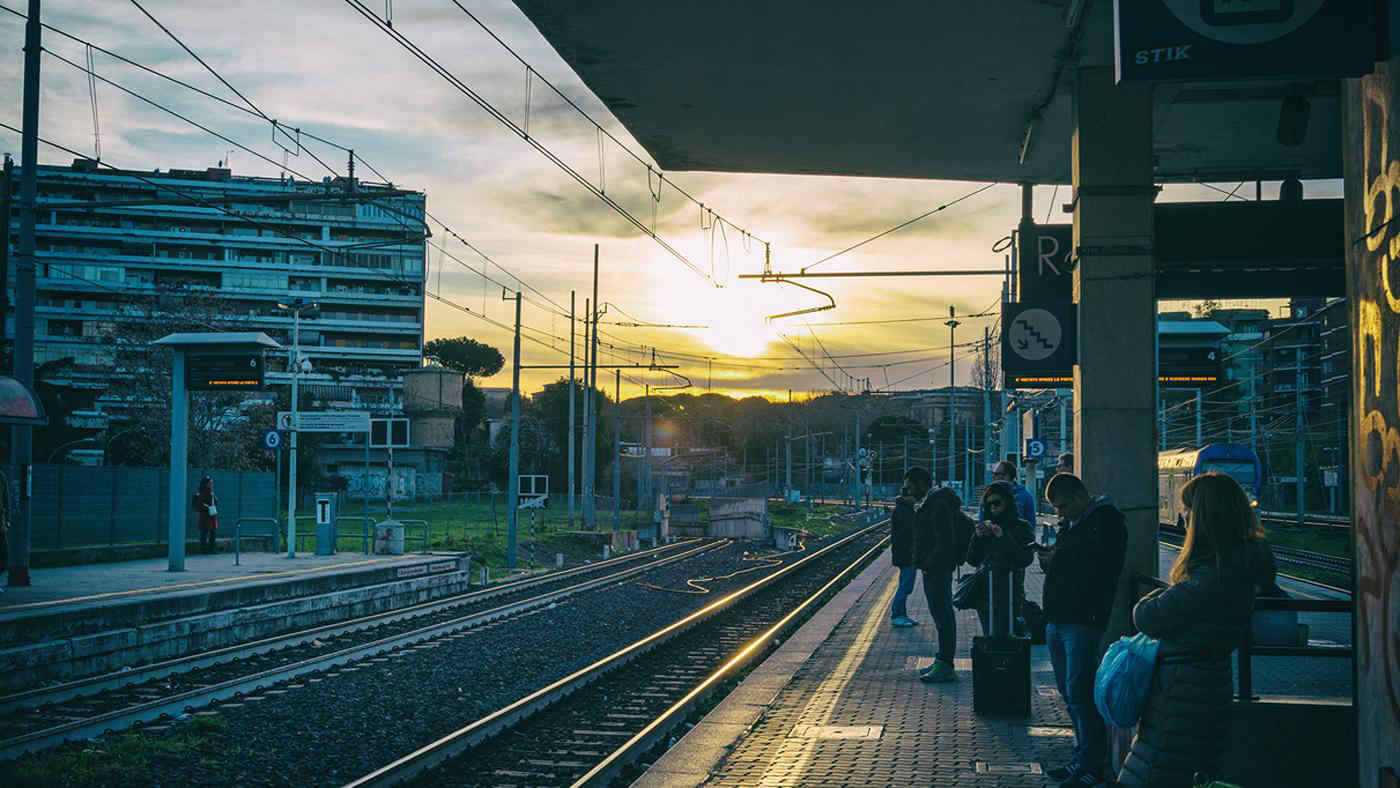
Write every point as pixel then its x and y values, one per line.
pixel 1125 678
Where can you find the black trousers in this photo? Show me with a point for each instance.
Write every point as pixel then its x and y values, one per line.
pixel 206 540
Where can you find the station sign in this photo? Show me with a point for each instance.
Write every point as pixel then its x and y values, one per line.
pixel 1044 265
pixel 225 371
pixel 325 420
pixel 1039 344
pixel 1188 367
pixel 1195 40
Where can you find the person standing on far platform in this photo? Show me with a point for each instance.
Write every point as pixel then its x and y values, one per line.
pixel 935 552
pixel 1199 619
pixel 1081 574
pixel 206 505
pixel 902 555
pixel 1065 463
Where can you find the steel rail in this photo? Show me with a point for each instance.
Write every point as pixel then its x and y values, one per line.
pixel 55 693
pixel 154 709
pixel 756 649
pixel 432 755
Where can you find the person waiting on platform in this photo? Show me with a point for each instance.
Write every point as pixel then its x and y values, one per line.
pixel 1199 619
pixel 1025 502
pixel 206 504
pixel 902 555
pixel 1081 574
pixel 1000 544
pixel 935 552
pixel 1065 463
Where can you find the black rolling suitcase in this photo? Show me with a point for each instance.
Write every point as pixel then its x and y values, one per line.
pixel 1001 662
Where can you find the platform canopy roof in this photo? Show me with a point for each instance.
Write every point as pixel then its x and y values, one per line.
pixel 941 89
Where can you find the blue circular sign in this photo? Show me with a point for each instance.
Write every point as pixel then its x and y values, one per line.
pixel 272 440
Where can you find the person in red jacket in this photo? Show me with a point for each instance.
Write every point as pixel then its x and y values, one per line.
pixel 206 504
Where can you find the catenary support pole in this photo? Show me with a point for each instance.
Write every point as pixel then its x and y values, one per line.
pixel 22 436
pixel 1198 418
pixel 585 394
pixel 179 456
pixel 573 384
pixel 590 505
pixel 952 324
pixel 296 428
pixel 1301 437
pixel 617 450
pixel 514 481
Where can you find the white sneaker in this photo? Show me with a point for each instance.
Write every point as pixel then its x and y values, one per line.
pixel 903 621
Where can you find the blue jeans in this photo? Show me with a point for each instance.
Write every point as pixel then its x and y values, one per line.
pixel 907 576
pixel 938 592
pixel 1074 653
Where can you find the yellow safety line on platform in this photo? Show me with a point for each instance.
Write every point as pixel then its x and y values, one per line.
pixel 181 586
pixel 797 750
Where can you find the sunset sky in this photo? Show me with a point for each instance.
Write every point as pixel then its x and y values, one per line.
pixel 321 66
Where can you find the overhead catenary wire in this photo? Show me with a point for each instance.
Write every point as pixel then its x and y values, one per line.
pixel 899 226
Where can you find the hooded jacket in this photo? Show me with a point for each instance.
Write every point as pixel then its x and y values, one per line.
pixel 902 532
pixel 1005 552
pixel 1080 583
pixel 935 546
pixel 1200 620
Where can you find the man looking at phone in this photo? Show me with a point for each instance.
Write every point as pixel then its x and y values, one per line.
pixel 1081 573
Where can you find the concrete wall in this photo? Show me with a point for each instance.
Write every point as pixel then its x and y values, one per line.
pixel 1371 163
pixel 740 518
pixel 432 389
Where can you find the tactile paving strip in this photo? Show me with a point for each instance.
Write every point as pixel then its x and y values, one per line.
pixel 865 677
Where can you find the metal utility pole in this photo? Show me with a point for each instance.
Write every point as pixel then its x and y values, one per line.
pixel 590 504
pixel 617 450
pixel 646 454
pixel 572 386
pixel 9 175
pixel 22 436
pixel 1253 433
pixel 906 458
pixel 1198 418
pixel 513 483
pixel 787 490
pixel 584 489
pixel 296 428
pixel 952 323
pixel 987 396
pixel 856 456
pixel 1298 443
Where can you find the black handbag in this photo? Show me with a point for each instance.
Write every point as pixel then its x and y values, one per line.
pixel 971 592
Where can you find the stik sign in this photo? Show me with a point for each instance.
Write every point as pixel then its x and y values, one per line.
pixel 1044 270
pixel 1164 40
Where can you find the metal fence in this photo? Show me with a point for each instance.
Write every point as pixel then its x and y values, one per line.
pixel 78 506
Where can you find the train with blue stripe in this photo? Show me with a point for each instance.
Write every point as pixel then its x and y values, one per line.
pixel 1178 466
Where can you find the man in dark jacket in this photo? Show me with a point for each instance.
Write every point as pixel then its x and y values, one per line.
pixel 902 556
pixel 935 552
pixel 1081 573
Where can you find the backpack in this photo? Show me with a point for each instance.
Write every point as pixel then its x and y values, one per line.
pixel 1124 679
pixel 1035 621
pixel 962 535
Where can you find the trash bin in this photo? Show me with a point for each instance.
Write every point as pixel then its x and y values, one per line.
pixel 325 523
pixel 388 537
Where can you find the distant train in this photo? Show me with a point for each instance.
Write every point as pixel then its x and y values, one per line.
pixel 1176 467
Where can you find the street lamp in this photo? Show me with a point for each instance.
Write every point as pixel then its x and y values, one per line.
pixel 295 365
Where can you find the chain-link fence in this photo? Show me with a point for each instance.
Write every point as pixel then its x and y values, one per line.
pixel 79 506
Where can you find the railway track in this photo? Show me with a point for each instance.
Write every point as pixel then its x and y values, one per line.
pixel 1289 556
pixel 601 719
pixel 44 717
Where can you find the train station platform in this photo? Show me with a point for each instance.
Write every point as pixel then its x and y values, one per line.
pixel 840 704
pixel 79 620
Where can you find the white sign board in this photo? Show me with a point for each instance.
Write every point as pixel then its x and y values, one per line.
pixel 323 511
pixel 326 420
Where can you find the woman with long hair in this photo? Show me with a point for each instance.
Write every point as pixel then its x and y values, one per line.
pixel 1000 544
pixel 1199 618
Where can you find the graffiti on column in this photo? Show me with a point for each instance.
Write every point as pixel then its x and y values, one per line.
pixel 1373 200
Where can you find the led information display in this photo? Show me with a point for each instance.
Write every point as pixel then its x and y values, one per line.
pixel 224 372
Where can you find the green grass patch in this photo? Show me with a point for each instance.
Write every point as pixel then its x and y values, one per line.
pixel 1318 539
pixel 823 520
pixel 122 759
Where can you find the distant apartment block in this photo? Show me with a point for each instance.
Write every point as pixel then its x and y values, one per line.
pixel 106 239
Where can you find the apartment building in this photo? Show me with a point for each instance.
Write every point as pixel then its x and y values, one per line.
pixel 109 243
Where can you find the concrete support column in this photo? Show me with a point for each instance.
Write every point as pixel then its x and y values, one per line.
pixel 1114 285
